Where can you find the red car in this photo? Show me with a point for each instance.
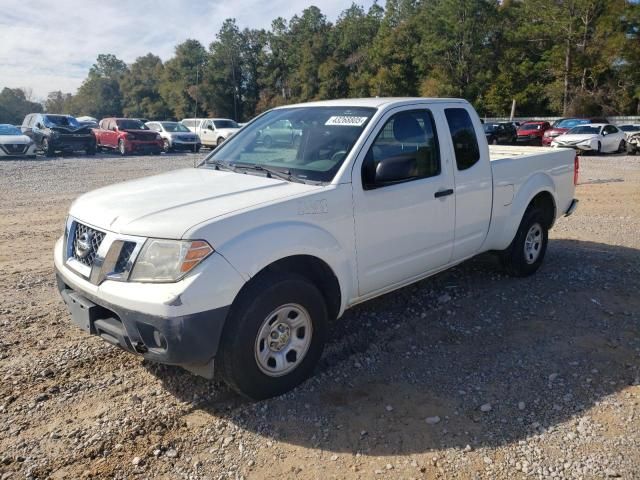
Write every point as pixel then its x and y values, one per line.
pixel 127 135
pixel 563 125
pixel 532 132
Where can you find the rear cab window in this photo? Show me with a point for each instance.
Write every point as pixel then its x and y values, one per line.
pixel 463 136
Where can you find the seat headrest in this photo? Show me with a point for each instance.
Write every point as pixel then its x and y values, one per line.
pixel 406 129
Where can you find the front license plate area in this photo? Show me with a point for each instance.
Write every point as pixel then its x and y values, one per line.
pixel 82 310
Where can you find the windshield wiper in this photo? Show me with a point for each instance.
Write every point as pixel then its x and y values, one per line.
pixel 288 176
pixel 220 165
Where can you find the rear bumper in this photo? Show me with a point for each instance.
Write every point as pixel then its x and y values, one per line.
pixel 188 340
pixel 572 207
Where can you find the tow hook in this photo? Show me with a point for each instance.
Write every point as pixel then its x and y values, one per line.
pixel 140 347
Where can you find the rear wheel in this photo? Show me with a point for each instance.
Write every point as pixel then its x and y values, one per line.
pixel 274 335
pixel 122 148
pixel 599 151
pixel 166 146
pixel 526 252
pixel 219 141
pixel 91 149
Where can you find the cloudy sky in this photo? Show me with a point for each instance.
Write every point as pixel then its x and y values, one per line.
pixel 50 46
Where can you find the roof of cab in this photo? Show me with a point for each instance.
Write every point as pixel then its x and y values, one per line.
pixel 375 102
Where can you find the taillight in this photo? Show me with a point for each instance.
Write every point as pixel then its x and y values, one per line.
pixel 576 169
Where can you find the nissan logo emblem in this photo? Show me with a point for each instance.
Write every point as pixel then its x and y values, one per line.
pixel 83 244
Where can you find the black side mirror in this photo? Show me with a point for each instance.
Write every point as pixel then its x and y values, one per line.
pixel 209 127
pixel 38 125
pixel 390 170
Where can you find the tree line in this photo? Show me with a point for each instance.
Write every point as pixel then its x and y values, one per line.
pixel 554 57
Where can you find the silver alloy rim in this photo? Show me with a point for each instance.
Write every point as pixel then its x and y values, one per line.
pixel 122 149
pixel 283 340
pixel 533 243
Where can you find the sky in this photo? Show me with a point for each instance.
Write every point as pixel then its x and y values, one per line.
pixel 47 46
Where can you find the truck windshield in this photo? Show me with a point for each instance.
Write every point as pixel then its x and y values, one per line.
pixel 570 122
pixel 584 129
pixel 9 130
pixel 60 121
pixel 174 127
pixel 131 125
pixel 225 124
pixel 309 143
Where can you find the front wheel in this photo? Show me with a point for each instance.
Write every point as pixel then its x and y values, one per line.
pixel 219 141
pixel 166 146
pixel 122 148
pixel 526 252
pixel 631 149
pixel 47 148
pixel 622 147
pixel 274 335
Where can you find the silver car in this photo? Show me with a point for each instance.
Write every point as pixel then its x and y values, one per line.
pixel 176 136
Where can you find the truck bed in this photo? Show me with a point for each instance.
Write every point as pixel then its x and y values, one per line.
pixel 518 174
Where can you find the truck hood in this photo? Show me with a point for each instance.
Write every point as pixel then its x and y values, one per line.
pixel 532 131
pixel 576 138
pixel 167 205
pixel 82 130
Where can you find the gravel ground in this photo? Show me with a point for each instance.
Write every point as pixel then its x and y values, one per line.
pixel 469 374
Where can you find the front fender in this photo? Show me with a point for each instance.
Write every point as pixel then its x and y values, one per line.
pixel 257 248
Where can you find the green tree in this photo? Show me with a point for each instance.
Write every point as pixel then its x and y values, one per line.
pixel 140 87
pixel 100 95
pixel 182 73
pixel 58 102
pixel 15 105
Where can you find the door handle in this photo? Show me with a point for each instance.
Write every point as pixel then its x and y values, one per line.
pixel 443 193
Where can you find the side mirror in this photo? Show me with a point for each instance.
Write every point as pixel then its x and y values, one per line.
pixel 38 125
pixel 391 170
pixel 605 134
pixel 209 127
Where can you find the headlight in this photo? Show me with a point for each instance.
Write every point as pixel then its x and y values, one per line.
pixel 158 137
pixel 168 260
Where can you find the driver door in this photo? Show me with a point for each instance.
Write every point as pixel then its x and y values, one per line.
pixel 404 229
pixel 206 133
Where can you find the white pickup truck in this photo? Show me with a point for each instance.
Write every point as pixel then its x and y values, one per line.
pixel 246 259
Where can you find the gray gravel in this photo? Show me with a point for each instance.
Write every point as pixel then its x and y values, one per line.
pixel 469 374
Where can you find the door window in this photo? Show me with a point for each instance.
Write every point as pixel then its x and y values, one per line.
pixel 463 136
pixel 408 142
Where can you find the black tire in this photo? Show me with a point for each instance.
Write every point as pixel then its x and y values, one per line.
pixel 157 152
pixel 515 259
pixel 267 141
pixel 121 148
pixel 494 141
pixel 219 141
pixel 198 148
pixel 622 147
pixel 236 357
pixel 631 149
pixel 91 150
pixel 599 151
pixel 47 148
pixel 166 146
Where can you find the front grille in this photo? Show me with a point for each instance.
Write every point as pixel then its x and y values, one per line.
pixel 86 242
pixel 125 256
pixel 14 148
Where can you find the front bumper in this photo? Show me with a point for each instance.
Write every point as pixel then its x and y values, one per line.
pixel 70 144
pixel 143 147
pixel 185 340
pixel 176 323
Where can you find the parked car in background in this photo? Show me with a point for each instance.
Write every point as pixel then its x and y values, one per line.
pixel 633 143
pixel 629 130
pixel 595 137
pixel 86 118
pixel 500 133
pixel 14 143
pixel 58 133
pixel 175 136
pixel 281 131
pixel 563 125
pixel 126 136
pixel 532 132
pixel 241 265
pixel 212 131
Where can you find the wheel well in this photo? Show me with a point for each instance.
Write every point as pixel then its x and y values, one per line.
pixel 318 272
pixel 544 201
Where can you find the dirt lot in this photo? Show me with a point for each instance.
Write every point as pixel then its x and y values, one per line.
pixel 470 374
